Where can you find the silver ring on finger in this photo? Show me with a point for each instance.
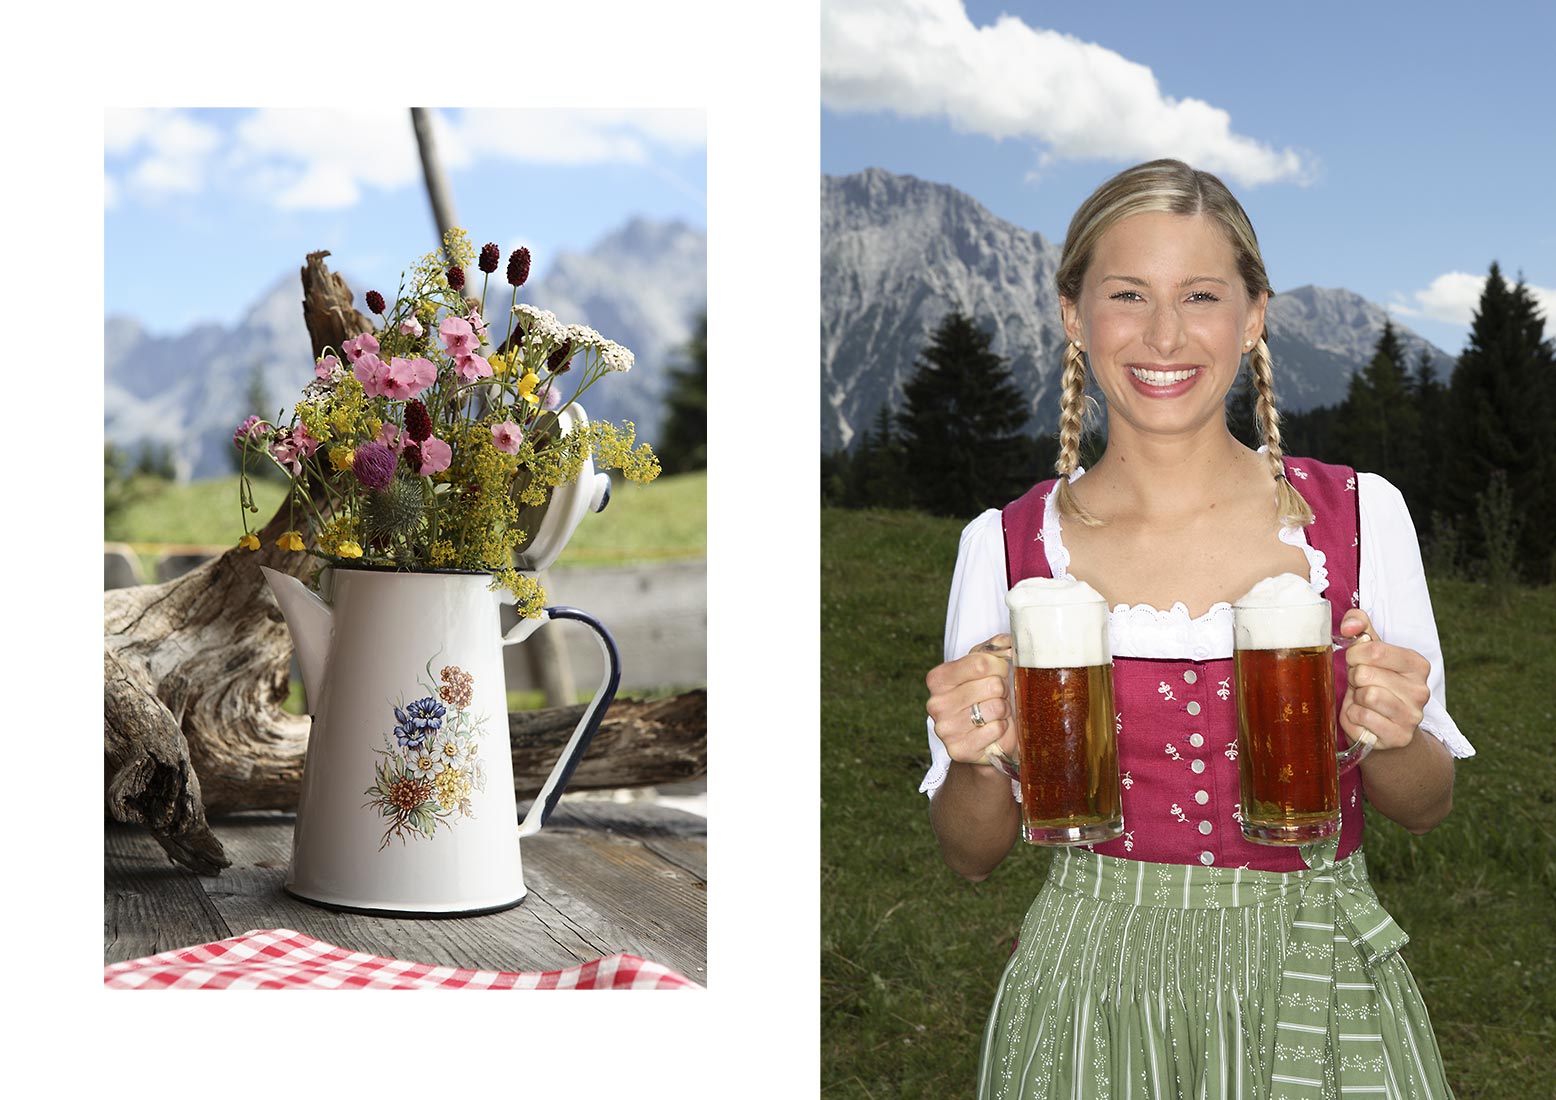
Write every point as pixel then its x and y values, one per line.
pixel 977 717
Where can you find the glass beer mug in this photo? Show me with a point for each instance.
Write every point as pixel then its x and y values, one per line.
pixel 1287 759
pixel 1062 705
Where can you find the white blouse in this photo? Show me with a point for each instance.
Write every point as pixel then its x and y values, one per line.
pixel 1393 593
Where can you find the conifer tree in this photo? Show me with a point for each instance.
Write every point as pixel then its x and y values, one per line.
pixel 1428 396
pixel 1500 409
pixel 876 479
pixel 1378 423
pixel 960 423
pixel 684 445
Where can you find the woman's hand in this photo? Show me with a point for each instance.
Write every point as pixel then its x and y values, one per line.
pixel 1387 691
pixel 956 686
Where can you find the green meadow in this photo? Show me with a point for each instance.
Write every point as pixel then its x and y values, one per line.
pixel 911 953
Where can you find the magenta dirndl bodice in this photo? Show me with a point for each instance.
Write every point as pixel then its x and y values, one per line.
pixel 1177 718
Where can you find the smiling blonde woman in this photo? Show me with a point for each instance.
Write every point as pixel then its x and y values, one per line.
pixel 1180 959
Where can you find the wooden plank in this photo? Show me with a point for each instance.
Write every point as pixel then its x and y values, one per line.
pixel 601 879
pixel 149 904
pixel 607 879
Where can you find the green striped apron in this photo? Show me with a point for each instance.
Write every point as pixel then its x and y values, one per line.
pixel 1156 980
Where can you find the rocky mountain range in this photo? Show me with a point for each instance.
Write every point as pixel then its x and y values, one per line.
pixel 897 253
pixel 642 286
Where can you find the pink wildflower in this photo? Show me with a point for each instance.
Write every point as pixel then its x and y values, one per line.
pixel 252 428
pixel 435 456
pixel 507 437
pixel 471 367
pixel 291 446
pixel 411 326
pixel 553 397
pixel 389 436
pixel 458 336
pixel 477 323
pixel 325 367
pixel 359 344
pixel 405 378
pixel 372 372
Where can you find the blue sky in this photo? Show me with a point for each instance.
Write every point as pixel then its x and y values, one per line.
pixel 205 209
pixel 1393 149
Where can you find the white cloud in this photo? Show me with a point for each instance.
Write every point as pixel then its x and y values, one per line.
pixel 324 159
pixel 173 148
pixel 110 192
pixel 1454 297
pixel 924 58
pixel 580 136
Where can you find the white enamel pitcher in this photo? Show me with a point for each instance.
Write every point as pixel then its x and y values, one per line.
pixel 407 805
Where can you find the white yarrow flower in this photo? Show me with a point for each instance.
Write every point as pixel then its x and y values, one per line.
pixel 615 357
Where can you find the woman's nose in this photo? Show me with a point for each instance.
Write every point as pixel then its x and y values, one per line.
pixel 1164 331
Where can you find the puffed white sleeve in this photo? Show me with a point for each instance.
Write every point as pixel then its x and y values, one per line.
pixel 1393 593
pixel 975 613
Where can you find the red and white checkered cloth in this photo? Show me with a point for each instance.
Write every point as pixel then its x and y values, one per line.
pixel 279 958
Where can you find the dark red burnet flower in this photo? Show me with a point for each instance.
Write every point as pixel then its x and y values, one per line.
pixel 375 301
pixel 560 361
pixel 456 277
pixel 518 266
pixel 491 256
pixel 412 455
pixel 418 425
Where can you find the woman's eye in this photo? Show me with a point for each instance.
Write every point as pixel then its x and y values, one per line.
pixel 1203 296
pixel 1125 296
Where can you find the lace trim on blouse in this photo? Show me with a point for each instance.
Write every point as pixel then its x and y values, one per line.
pixel 1141 630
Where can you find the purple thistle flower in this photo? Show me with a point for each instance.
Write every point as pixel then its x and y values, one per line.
pixel 374 465
pixel 491 255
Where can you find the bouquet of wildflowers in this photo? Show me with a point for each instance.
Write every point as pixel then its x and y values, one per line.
pixel 419 451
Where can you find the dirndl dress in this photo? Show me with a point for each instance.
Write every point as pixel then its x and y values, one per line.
pixel 1181 960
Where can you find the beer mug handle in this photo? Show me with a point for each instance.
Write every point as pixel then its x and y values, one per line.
pixel 584 732
pixel 995 755
pixel 1365 738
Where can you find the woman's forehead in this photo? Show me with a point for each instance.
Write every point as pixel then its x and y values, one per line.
pixel 1165 244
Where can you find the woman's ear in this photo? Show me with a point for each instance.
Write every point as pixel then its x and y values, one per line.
pixel 1256 310
pixel 1071 315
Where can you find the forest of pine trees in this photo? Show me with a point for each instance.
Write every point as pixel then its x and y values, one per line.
pixel 1467 452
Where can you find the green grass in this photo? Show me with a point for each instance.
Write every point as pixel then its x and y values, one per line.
pixel 662 520
pixel 911 954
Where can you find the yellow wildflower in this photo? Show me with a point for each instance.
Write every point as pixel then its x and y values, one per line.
pixel 501 362
pixel 249 541
pixel 341 457
pixel 528 383
pixel 292 541
pixel 349 550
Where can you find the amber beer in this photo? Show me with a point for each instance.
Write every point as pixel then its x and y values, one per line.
pixel 1286 745
pixel 1063 691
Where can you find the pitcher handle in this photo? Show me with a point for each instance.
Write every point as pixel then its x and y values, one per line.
pixel 557 781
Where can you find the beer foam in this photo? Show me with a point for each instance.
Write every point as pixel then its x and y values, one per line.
pixel 1281 612
pixel 1058 623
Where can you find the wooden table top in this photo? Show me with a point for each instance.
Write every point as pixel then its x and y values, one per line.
pixel 603 878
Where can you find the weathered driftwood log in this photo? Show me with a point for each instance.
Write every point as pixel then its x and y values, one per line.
pixel 639 744
pixel 196 669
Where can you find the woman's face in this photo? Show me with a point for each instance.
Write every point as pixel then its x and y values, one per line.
pixel 1164 319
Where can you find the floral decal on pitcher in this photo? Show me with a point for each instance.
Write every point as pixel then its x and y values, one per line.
pixel 431 764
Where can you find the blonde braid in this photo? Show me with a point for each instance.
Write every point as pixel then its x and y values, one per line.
pixel 1074 405
pixel 1293 511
